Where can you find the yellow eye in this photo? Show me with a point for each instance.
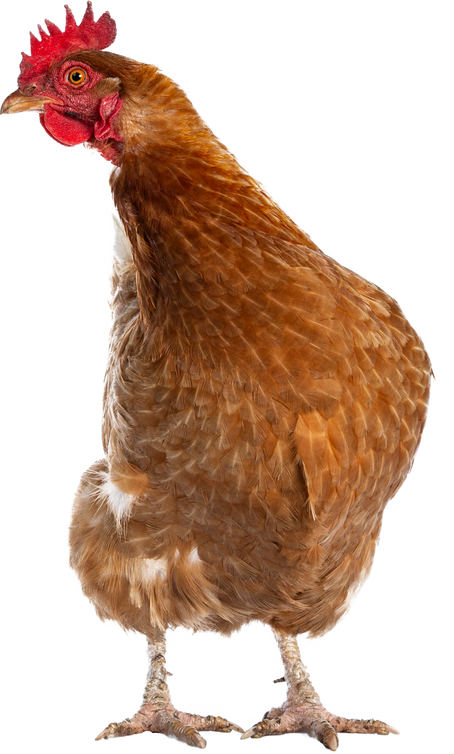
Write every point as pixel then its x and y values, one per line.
pixel 76 76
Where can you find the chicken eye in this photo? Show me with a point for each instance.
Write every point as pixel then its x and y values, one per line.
pixel 76 77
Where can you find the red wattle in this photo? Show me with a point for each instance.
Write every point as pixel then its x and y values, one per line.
pixel 64 129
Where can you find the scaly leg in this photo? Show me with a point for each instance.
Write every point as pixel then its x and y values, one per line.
pixel 303 712
pixel 157 713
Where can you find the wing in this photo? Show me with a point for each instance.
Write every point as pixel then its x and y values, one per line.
pixel 360 444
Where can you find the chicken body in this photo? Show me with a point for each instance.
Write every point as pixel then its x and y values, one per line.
pixel 262 403
pixel 281 365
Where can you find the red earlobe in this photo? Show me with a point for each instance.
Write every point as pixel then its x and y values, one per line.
pixel 108 108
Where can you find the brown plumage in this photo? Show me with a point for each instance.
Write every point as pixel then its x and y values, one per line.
pixel 262 404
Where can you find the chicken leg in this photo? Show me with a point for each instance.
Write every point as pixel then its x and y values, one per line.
pixel 157 713
pixel 303 712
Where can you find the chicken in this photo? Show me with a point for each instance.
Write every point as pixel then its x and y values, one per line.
pixel 262 403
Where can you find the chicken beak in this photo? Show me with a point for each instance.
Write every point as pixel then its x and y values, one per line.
pixel 20 103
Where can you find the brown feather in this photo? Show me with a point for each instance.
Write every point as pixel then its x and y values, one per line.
pixel 262 403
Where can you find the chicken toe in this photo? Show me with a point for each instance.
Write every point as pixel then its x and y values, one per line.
pixel 169 721
pixel 156 721
pixel 316 722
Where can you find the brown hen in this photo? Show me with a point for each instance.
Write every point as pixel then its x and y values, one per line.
pixel 262 403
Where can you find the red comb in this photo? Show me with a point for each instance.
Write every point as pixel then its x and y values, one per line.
pixel 89 35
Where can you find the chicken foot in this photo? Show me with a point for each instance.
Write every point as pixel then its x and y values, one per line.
pixel 157 713
pixel 303 712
